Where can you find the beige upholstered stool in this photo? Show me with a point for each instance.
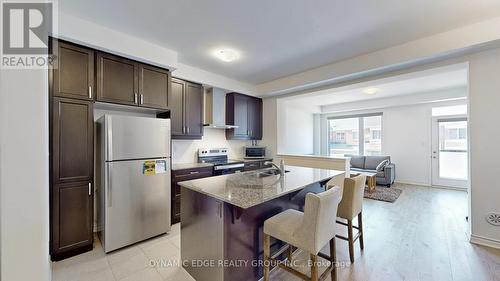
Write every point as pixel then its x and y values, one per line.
pixel 309 231
pixel 351 206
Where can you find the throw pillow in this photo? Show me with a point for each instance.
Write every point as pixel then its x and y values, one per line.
pixel 382 165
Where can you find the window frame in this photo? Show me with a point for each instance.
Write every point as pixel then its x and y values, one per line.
pixel 361 130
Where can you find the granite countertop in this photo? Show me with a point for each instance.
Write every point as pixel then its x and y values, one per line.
pixel 247 189
pixel 183 166
pixel 254 159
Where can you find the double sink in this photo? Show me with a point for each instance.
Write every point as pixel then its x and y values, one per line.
pixel 268 173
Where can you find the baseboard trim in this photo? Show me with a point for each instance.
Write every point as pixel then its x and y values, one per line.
pixel 483 241
pixel 450 187
pixel 433 186
pixel 413 183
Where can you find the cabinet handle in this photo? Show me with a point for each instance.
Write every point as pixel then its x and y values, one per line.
pixel 90 188
pixel 187 129
pixel 90 92
pixel 194 172
pixel 142 99
pixel 135 98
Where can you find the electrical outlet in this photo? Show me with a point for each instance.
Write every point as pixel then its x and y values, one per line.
pixel 493 218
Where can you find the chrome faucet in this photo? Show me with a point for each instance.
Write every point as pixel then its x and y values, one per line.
pixel 281 170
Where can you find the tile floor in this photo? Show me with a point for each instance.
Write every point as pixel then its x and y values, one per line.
pixel 134 263
pixel 422 236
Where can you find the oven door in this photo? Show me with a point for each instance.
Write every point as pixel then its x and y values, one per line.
pixel 228 169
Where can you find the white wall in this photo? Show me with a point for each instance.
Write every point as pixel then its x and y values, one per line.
pixel 185 151
pixel 484 87
pixel 295 129
pixel 24 178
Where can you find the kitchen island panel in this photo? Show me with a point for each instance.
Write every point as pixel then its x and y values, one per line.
pixel 214 232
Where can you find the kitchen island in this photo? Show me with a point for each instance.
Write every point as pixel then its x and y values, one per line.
pixel 222 218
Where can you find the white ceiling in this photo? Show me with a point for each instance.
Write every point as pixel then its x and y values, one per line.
pixel 427 81
pixel 280 37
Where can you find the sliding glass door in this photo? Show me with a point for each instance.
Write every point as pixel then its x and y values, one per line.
pixel 358 135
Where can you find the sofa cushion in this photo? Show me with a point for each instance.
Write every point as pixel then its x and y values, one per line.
pixel 371 162
pixel 357 161
pixel 379 174
pixel 381 165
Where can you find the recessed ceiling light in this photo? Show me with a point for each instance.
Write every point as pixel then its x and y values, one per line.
pixel 371 91
pixel 226 54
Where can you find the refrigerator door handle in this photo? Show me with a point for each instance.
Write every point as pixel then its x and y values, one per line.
pixel 109 185
pixel 109 144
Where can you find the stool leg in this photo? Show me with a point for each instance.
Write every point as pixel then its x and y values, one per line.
pixel 351 240
pixel 333 259
pixel 267 259
pixel 290 252
pixel 360 225
pixel 314 268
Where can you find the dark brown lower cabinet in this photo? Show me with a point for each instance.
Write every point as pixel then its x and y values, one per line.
pixel 72 219
pixel 184 175
pixel 72 175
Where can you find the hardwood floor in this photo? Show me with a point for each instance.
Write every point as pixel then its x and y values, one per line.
pixel 422 236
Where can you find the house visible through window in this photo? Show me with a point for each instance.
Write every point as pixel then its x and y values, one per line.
pixel 355 135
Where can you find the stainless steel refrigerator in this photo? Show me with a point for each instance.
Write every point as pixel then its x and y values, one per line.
pixel 133 173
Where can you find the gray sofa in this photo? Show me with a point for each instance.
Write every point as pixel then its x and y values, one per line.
pixel 386 173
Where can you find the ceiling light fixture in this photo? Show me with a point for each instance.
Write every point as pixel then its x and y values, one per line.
pixel 371 91
pixel 226 54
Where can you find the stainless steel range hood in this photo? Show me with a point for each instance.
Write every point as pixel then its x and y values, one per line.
pixel 215 109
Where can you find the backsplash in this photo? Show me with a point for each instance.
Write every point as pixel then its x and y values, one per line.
pixel 185 151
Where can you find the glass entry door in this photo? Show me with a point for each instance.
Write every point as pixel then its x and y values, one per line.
pixel 450 152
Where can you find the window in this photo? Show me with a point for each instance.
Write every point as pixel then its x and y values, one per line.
pixel 360 134
pixel 343 136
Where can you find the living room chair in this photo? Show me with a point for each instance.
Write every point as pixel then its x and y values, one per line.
pixel 309 231
pixel 350 207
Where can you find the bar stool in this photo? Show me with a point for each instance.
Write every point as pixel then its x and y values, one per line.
pixel 351 206
pixel 309 231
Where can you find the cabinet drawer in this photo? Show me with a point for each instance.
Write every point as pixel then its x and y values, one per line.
pixel 250 166
pixel 191 174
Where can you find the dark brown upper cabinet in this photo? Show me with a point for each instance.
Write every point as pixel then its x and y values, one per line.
pixel 255 118
pixel 193 107
pixel 72 140
pixel 117 79
pixel 186 108
pixel 73 76
pixel 246 113
pixel 176 102
pixel 154 86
